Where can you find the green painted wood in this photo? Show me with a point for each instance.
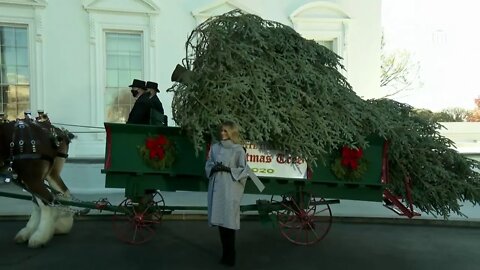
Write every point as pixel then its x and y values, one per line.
pixel 127 139
pixel 128 170
pixel 373 155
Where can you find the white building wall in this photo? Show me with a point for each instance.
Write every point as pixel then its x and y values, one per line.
pixel 364 47
pixel 70 47
pixel 66 65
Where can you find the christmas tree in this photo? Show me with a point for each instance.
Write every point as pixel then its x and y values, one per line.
pixel 288 92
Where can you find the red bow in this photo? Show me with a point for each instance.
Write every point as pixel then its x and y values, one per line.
pixel 350 157
pixel 156 146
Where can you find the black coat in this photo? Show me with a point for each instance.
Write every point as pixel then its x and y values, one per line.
pixel 140 113
pixel 156 104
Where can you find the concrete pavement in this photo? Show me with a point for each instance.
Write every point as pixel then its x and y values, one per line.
pixel 194 245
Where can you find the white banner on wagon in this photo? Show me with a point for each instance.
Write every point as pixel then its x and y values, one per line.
pixel 271 163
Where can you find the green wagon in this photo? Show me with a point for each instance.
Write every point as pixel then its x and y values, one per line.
pixel 299 206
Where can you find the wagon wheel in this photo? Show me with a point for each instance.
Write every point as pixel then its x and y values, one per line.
pixel 304 219
pixel 153 209
pixel 281 213
pixel 132 222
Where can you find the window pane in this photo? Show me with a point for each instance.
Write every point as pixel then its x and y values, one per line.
pixel 11 72
pixel 124 62
pixel 124 96
pixel 9 57
pixel 23 94
pixel 112 42
pixel 135 62
pixel 129 43
pixel 124 78
pixel 10 94
pixel 110 95
pixel 135 74
pixel 119 106
pixel 112 61
pixel 14 71
pixel 20 109
pixel 21 37
pixel 12 111
pixel 112 78
pixel 8 36
pixel 23 75
pixel 326 43
pixel 22 56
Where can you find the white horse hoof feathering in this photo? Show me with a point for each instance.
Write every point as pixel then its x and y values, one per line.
pixel 46 226
pixel 64 220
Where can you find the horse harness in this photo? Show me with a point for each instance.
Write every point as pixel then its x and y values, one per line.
pixel 22 135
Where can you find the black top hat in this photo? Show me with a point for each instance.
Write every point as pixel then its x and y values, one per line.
pixel 138 84
pixel 152 85
pixel 181 74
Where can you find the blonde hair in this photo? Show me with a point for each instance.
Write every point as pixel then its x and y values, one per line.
pixel 232 130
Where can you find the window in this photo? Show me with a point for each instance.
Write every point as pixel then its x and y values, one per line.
pixel 326 43
pixel 14 71
pixel 328 25
pixel 124 62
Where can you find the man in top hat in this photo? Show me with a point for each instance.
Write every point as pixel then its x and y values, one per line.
pixel 152 89
pixel 138 87
pixel 140 113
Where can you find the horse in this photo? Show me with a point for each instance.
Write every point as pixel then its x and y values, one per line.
pixel 34 150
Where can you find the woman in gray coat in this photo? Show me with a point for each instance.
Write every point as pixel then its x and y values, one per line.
pixel 227 170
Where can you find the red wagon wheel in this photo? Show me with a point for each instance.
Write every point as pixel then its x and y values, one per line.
pixel 133 222
pixel 156 207
pixel 304 219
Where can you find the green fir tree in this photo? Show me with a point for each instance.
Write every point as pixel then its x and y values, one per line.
pixel 287 92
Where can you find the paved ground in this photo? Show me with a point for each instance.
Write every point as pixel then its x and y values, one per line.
pixel 193 245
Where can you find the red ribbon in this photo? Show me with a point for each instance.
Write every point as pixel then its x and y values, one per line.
pixel 156 146
pixel 351 157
